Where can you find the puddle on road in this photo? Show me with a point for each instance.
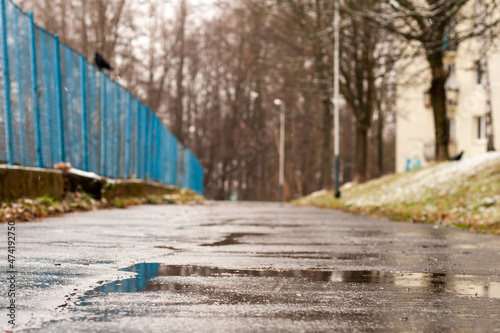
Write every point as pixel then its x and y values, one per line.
pixel 434 283
pixel 232 239
pixel 260 225
pixel 318 255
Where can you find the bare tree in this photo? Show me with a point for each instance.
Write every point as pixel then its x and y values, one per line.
pixel 213 82
pixel 358 68
pixel 431 25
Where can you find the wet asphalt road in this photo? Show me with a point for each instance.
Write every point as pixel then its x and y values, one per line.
pixel 250 267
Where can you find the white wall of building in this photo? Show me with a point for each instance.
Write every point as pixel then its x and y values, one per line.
pixel 414 123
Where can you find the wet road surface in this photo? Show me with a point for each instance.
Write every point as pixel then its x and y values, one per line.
pixel 251 267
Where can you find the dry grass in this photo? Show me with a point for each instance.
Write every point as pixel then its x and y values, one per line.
pixel 462 194
pixel 24 210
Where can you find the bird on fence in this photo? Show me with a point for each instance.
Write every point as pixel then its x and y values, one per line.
pixel 458 157
pixel 101 63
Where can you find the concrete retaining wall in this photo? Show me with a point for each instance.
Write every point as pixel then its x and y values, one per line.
pixel 17 183
pixel 135 188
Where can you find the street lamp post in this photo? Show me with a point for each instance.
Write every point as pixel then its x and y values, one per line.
pixel 336 96
pixel 280 104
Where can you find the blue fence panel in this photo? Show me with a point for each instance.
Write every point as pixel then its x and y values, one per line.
pixel 70 102
pixel 134 135
pixel 4 84
pixel 48 104
pixel 179 180
pixel 171 159
pixel 110 127
pixel 123 113
pixel 92 98
pixel 55 106
pixel 24 97
pixel 187 169
pixel 11 114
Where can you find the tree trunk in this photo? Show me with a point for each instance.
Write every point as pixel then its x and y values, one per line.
pixel 84 37
pixel 361 154
pixel 326 162
pixel 438 102
pixel 380 141
pixel 178 129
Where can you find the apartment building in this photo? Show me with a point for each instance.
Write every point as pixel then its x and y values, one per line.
pixel 415 136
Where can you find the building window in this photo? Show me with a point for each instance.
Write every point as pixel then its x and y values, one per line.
pixel 479 73
pixel 451 129
pixel 451 69
pixel 480 123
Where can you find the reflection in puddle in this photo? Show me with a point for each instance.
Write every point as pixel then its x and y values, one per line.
pixel 145 272
pixel 436 283
pixel 440 283
pixel 232 239
pixel 319 255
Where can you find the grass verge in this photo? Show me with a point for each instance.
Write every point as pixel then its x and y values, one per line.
pixel 24 210
pixel 463 195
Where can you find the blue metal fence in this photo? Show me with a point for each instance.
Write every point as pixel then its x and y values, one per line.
pixel 55 107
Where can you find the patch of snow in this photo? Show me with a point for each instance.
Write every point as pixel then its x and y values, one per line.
pixel 488 202
pixel 316 194
pixel 18 167
pixel 441 179
pixel 87 174
pixel 347 186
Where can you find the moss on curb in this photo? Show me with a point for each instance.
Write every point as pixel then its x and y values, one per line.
pixel 135 189
pixel 29 183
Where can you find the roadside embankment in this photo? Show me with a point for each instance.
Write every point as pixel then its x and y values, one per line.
pixel 28 194
pixel 463 194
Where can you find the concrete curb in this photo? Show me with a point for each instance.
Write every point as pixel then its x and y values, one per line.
pixel 19 182
pixel 22 182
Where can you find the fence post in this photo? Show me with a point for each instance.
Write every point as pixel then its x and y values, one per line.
pixel 158 149
pixel 146 144
pixel 19 89
pixel 174 155
pixel 6 85
pixel 46 84
pixel 36 121
pixel 72 126
pixel 172 159
pixel 84 115
pixel 118 127
pixel 144 131
pixel 162 164
pixel 168 158
pixel 153 146
pixel 103 124
pixel 138 143
pixel 59 98
pixel 93 138
pixel 154 151
pixel 128 146
pixel 137 140
pixel 159 162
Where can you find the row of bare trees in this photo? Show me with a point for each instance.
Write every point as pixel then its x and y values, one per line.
pixel 213 72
